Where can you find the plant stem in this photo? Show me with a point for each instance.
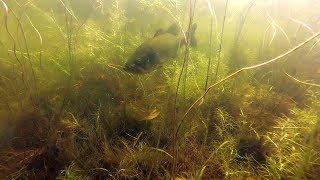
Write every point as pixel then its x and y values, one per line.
pixel 245 69
pixel 302 82
pixel 175 122
pixel 221 41
pixel 210 53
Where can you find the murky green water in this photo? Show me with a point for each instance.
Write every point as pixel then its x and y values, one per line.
pixel 159 89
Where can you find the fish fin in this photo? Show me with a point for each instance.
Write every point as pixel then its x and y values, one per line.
pixel 193 40
pixel 159 32
pixel 173 29
pixel 152 115
pixel 191 35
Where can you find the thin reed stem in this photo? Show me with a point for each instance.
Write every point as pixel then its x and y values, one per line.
pixel 28 57
pixel 14 47
pixel 68 20
pixel 221 41
pixel 302 82
pixel 41 41
pixel 243 21
pixel 174 133
pixel 210 52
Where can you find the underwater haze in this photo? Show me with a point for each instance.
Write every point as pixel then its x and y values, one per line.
pixel 159 89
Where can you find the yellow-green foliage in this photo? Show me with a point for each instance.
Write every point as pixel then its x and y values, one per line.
pixel 296 153
pixel 68 110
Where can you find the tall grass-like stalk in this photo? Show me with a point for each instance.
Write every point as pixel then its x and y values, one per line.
pixel 272 21
pixel 274 32
pixel 6 97
pixel 302 82
pixel 213 18
pixel 212 15
pixel 68 20
pixel 221 41
pixel 234 61
pixel 242 22
pixel 6 8
pixel 175 121
pixel 70 50
pixel 187 62
pixel 34 86
pixel 40 39
pixel 301 26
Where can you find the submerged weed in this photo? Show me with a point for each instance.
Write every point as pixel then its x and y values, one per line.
pixel 68 110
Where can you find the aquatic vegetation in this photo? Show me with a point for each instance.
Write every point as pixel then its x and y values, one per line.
pixel 243 104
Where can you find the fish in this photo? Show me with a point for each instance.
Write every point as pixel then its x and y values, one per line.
pixel 137 111
pixel 163 46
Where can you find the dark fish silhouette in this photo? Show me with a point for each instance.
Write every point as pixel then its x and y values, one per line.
pixel 153 52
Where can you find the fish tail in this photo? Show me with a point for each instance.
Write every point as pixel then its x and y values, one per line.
pixel 191 33
pixel 193 40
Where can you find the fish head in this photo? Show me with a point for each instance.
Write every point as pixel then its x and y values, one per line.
pixel 142 61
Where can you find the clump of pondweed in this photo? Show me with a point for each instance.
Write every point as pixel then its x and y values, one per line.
pixel 278 104
pixel 29 148
pixel 140 161
pixel 96 94
pixel 241 56
pixel 251 149
pixel 29 130
pixel 121 104
pixel 281 84
pixel 221 125
pixel 228 110
pixel 72 172
pixel 315 105
pixel 98 156
pixel 264 106
pixel 295 152
pixel 195 160
pixel 284 85
pixel 233 100
pixel 95 86
pixel 85 144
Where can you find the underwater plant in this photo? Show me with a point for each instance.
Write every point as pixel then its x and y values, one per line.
pixel 97 89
